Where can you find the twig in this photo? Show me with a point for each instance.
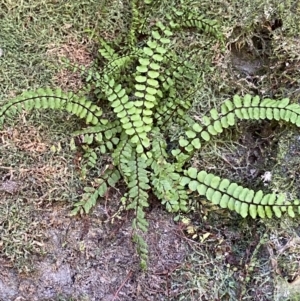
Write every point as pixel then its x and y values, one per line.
pixel 121 286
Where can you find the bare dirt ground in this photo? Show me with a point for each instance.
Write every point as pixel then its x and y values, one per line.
pixel 89 260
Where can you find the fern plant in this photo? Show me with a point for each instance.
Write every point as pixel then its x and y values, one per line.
pixel 141 93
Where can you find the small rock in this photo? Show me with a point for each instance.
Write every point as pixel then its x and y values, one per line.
pixel 9 186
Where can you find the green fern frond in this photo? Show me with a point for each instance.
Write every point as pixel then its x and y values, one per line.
pixel 115 66
pixel 109 178
pixel 240 108
pixel 135 23
pixel 55 100
pixel 105 133
pixel 166 186
pixel 181 19
pixel 244 201
pixel 129 114
pixel 106 51
pixel 138 184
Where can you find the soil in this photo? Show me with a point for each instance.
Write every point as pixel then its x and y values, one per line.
pixel 88 259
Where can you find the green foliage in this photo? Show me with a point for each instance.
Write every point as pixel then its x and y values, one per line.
pixel 142 92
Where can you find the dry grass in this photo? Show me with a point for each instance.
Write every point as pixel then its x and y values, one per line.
pixel 77 53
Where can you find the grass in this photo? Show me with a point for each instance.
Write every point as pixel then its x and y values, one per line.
pixel 34 154
pixel 228 258
pixel 31 32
